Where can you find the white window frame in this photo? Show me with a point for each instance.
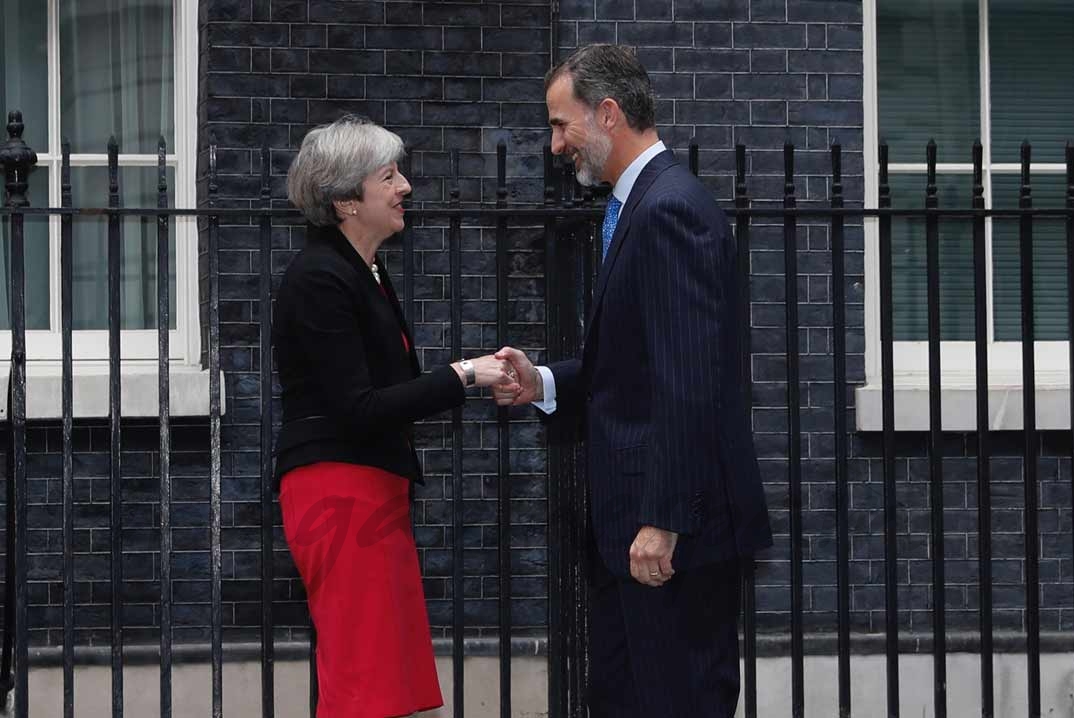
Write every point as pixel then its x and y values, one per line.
pixel 958 358
pixel 189 386
pixel 135 345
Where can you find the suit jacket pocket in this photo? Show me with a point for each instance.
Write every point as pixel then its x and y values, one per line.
pixel 631 459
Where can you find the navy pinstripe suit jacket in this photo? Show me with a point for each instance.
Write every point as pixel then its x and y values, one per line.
pixel 669 443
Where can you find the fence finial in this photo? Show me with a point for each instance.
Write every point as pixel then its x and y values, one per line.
pixel 162 171
pixel 266 171
pixel 788 170
pixel 549 176
pixel 17 158
pixel 931 198
pixel 978 169
pixel 740 173
pixel 501 174
pixel 1070 174
pixel 453 188
pixel 1027 163
pixel 837 170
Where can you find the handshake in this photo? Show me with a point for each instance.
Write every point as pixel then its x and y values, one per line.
pixel 511 375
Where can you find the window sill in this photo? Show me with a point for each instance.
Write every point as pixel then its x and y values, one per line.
pixel 959 405
pixel 188 390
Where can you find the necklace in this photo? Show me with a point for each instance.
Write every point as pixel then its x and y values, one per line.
pixel 376 273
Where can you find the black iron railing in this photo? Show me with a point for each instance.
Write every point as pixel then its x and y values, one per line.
pixel 570 216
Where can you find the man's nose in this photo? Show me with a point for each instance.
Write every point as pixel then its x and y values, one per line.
pixel 558 145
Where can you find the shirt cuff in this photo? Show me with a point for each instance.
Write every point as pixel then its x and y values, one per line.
pixel 548 404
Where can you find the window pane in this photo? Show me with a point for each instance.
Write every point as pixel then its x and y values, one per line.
pixel 116 74
pixel 1032 73
pixel 1049 262
pixel 24 67
pixel 928 77
pixel 910 288
pixel 35 233
pixel 138 263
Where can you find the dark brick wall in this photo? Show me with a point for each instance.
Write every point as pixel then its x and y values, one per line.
pixel 141 537
pixel 444 76
pixel 466 75
pixel 762 73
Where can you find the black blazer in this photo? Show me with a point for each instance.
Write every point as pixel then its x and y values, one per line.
pixel 659 385
pixel 350 389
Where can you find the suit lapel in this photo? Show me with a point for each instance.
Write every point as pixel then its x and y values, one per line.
pixel 645 180
pixel 367 284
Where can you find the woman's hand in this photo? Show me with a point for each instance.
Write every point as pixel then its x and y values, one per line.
pixel 490 371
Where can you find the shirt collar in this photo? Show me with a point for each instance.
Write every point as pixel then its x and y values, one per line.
pixel 630 174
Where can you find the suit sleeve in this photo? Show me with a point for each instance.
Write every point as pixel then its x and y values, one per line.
pixel 687 315
pixel 570 394
pixel 324 328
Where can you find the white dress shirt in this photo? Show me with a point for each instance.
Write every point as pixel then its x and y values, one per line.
pixel 621 191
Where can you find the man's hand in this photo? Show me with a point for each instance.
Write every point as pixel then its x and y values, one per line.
pixel 650 556
pixel 530 385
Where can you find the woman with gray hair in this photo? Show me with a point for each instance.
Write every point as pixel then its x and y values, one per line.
pixel 345 460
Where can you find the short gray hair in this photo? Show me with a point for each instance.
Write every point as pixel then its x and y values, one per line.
pixel 333 162
pixel 600 71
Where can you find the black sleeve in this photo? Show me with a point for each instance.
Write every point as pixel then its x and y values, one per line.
pixel 323 324
pixel 687 319
pixel 570 393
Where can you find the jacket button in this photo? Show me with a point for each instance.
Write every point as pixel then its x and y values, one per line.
pixel 589 396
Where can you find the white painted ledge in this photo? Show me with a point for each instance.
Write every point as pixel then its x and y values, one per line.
pixel 958 406
pixel 139 392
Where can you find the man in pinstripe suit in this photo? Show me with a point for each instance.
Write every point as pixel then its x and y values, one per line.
pixel 677 498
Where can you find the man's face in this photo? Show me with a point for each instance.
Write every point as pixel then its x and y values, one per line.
pixel 575 132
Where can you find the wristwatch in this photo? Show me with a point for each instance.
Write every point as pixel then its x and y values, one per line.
pixel 468 372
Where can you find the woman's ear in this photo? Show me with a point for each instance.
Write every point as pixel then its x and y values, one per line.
pixel 345 208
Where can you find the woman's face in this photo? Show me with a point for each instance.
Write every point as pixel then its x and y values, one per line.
pixel 380 210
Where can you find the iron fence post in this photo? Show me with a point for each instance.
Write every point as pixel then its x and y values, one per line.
pixel 18 159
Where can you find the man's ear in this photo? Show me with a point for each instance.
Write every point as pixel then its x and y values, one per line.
pixel 608 114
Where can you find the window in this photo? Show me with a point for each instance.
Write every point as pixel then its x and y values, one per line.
pixel 86 70
pixel 997 70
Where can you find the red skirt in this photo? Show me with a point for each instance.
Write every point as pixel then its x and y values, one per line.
pixel 348 528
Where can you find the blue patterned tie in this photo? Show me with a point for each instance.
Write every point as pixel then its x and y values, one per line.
pixel 611 218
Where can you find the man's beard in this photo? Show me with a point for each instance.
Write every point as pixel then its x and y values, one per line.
pixel 593 156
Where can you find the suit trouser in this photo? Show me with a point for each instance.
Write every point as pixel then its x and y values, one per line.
pixel 667 652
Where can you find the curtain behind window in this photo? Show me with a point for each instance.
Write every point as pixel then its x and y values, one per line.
pixel 24 86
pixel 928 77
pixel 929 88
pixel 116 69
pixel 116 61
pixel 1032 76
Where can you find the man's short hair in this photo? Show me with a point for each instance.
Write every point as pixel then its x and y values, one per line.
pixel 601 71
pixel 333 162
